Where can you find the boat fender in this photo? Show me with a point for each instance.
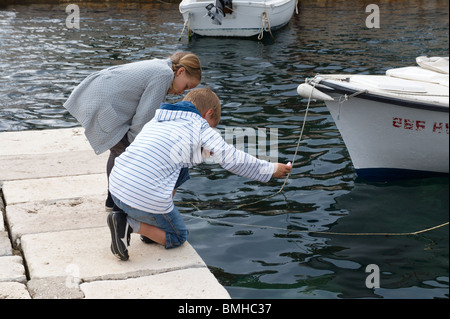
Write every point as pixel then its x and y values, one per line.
pixel 307 91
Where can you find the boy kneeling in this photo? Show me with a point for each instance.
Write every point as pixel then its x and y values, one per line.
pixel 146 176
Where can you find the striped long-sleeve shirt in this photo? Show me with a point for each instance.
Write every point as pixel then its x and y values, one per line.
pixel 144 176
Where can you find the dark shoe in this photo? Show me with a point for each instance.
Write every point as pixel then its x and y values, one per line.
pixel 109 204
pixel 147 240
pixel 120 234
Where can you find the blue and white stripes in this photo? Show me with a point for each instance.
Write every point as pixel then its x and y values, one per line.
pixel 144 176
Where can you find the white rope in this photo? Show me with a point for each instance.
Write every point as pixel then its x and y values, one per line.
pixel 418 232
pixel 344 98
pixel 186 24
pixel 265 26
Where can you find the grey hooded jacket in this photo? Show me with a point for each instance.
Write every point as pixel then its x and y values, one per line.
pixel 120 100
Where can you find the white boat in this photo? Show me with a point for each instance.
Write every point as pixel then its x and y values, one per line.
pixel 236 18
pixel 394 126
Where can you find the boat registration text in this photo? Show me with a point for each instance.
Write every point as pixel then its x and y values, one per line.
pixel 420 125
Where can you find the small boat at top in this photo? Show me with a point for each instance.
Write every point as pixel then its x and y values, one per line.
pixel 236 18
pixel 396 125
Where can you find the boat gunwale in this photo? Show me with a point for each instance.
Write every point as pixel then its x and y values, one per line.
pixel 328 88
pixel 184 8
pixel 241 2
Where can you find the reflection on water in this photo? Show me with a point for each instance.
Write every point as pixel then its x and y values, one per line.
pixel 403 207
pixel 41 61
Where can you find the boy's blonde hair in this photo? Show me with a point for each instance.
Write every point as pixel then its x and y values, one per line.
pixel 204 100
pixel 189 61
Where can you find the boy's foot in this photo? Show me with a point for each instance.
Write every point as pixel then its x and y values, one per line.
pixel 109 203
pixel 147 240
pixel 120 234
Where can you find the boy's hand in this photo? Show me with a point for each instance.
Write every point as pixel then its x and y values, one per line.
pixel 282 169
pixel 206 154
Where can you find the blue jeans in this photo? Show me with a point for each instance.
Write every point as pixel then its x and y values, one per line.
pixel 171 223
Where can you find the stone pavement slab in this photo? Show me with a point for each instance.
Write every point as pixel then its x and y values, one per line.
pixel 85 254
pixel 11 269
pixel 5 244
pixel 55 215
pixel 55 288
pixel 43 142
pixel 178 284
pixel 31 166
pixel 13 290
pixel 54 188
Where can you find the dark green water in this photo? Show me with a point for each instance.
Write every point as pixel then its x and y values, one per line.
pixel 41 61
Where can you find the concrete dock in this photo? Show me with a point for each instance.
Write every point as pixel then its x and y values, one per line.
pixel 54 240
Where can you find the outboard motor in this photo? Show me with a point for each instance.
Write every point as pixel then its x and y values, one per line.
pixel 218 10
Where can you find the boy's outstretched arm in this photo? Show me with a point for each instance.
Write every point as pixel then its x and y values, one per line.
pixel 239 162
pixel 281 170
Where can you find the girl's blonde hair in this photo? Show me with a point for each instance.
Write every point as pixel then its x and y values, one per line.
pixel 189 61
pixel 204 100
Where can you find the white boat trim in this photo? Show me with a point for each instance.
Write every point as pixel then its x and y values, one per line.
pixel 329 87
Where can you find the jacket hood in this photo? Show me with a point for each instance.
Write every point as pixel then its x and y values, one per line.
pixel 183 109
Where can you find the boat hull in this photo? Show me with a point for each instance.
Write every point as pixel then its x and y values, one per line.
pixel 393 141
pixel 245 21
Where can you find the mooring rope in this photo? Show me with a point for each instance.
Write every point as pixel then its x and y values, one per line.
pixel 186 24
pixel 313 84
pixel 293 158
pixel 265 26
pixel 317 231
